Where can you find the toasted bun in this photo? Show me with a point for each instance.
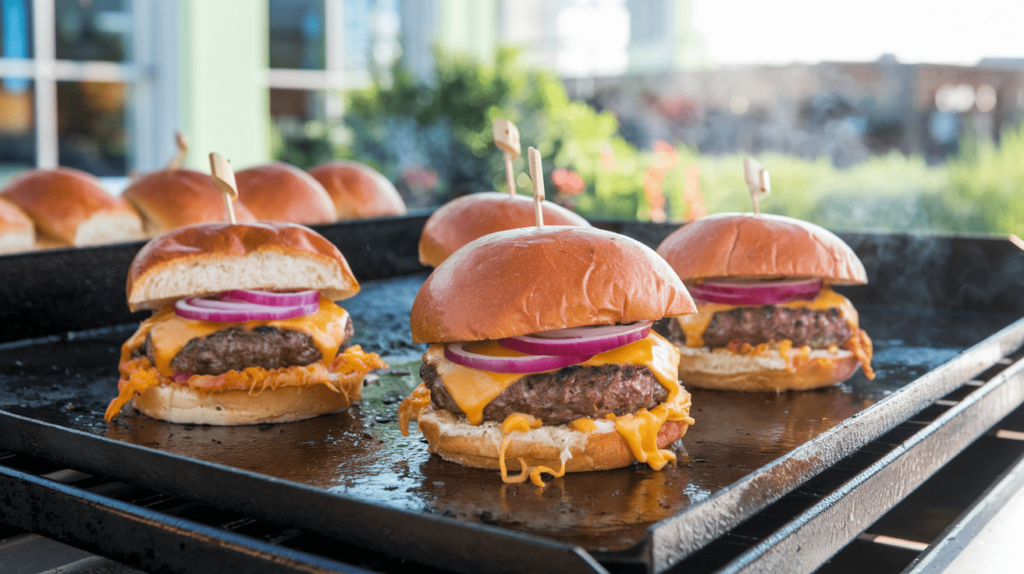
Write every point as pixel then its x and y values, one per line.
pixel 478 446
pixel 281 192
pixel 215 257
pixel 472 216
pixel 71 208
pixel 16 230
pixel 180 404
pixel 173 198
pixel 358 190
pixel 748 245
pixel 537 279
pixel 723 370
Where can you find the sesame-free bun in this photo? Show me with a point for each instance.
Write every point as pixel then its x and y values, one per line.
pixel 69 208
pixel 214 257
pixel 173 198
pixel 281 192
pixel 472 216
pixel 180 404
pixel 529 280
pixel 760 246
pixel 456 440
pixel 723 370
pixel 358 190
pixel 16 230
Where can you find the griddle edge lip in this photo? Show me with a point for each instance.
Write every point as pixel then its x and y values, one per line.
pixel 674 538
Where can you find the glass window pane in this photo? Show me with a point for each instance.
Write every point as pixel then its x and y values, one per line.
pixel 16 28
pixel 297 34
pixel 98 30
pixel 301 131
pixel 372 30
pixel 17 127
pixel 91 127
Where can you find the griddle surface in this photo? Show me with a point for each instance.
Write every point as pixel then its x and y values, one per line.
pixel 69 380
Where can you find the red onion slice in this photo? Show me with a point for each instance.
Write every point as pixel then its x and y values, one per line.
pixel 201 309
pixel 755 293
pixel 273 299
pixel 577 341
pixel 456 353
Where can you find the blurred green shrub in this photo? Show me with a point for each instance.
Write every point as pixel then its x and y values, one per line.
pixel 434 140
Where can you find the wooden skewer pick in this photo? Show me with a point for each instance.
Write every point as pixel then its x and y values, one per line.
pixel 179 157
pixel 757 181
pixel 506 137
pixel 537 175
pixel 224 177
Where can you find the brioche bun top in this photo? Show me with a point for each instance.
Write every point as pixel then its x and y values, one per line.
pixel 472 216
pixel 760 246
pixel 281 192
pixel 358 190
pixel 69 206
pixel 173 198
pixel 209 258
pixel 529 280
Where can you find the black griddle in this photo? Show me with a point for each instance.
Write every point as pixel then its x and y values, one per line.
pixel 941 310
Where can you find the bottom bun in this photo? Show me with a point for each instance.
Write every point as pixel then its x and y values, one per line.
pixel 456 440
pixel 724 370
pixel 180 404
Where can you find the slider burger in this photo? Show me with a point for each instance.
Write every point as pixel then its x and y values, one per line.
pixel 281 192
pixel 469 217
pixel 358 190
pixel 172 198
pixel 245 328
pixel 767 318
pixel 542 357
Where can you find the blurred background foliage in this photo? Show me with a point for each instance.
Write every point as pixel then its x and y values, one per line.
pixel 434 139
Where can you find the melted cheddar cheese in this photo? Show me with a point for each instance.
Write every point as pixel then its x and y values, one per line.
pixel 169 333
pixel 473 389
pixel 695 325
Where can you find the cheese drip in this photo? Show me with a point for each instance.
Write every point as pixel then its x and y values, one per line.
pixel 473 389
pixel 523 423
pixel 695 325
pixel 169 333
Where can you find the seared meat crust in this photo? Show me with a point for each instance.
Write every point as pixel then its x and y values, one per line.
pixel 234 349
pixel 561 396
pixel 756 325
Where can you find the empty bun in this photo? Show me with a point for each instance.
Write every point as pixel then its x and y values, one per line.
pixel 748 245
pixel 180 404
pixel 723 370
pixel 17 233
pixel 214 257
pixel 478 446
pixel 358 190
pixel 70 208
pixel 472 216
pixel 538 279
pixel 281 192
pixel 173 198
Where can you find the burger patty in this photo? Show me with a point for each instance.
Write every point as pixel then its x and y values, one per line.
pixel 561 396
pixel 756 325
pixel 235 348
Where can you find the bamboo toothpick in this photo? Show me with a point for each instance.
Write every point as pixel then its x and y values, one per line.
pixel 182 142
pixel 757 181
pixel 537 175
pixel 224 177
pixel 506 137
